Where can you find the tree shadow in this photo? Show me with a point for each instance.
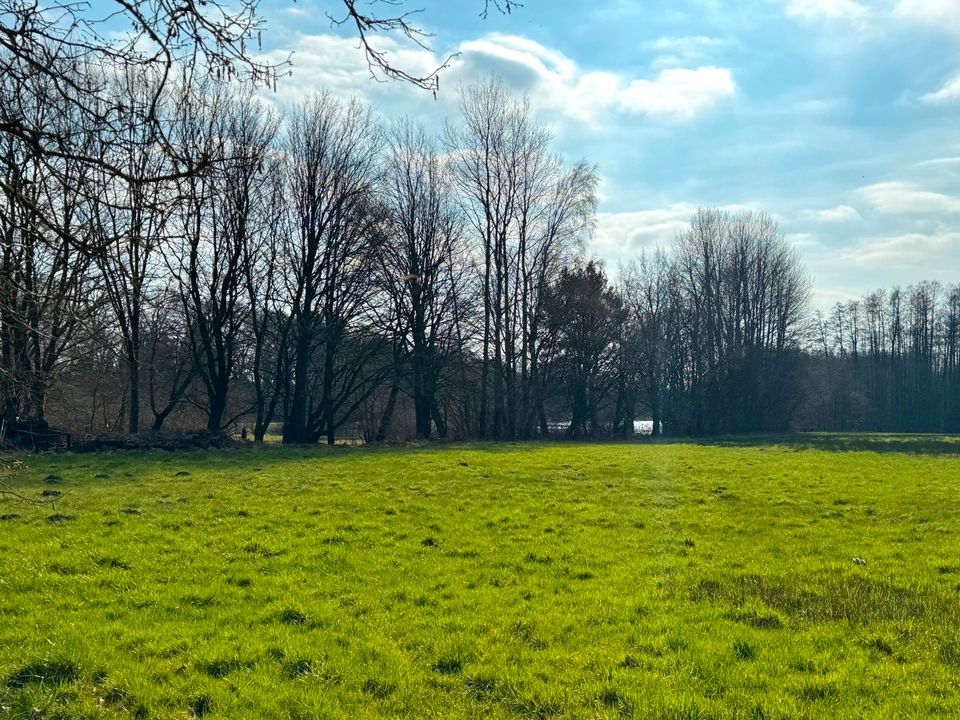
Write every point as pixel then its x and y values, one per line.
pixel 910 443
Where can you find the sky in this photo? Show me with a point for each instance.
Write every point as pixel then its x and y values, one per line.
pixel 837 117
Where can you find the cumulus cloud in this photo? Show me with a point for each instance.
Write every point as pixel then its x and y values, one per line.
pixel 337 64
pixel 554 81
pixel 900 198
pixel 815 10
pixel 949 93
pixel 839 214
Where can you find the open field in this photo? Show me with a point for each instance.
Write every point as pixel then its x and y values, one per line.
pixel 604 581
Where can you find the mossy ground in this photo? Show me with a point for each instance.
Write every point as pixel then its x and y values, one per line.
pixel 489 581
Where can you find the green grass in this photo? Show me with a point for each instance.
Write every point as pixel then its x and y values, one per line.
pixel 569 581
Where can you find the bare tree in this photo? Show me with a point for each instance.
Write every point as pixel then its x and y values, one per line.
pixel 131 212
pixel 333 149
pixel 422 265
pixel 168 356
pixel 644 286
pixel 161 40
pixel 165 40
pixel 528 214
pixel 367 24
pixel 268 318
pixel 46 283
pixel 556 212
pixel 742 300
pixel 221 221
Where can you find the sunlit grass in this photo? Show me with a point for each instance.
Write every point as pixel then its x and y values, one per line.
pixel 604 581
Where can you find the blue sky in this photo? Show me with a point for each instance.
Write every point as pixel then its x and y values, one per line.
pixel 838 117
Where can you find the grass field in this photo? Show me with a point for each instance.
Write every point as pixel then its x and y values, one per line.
pixel 537 581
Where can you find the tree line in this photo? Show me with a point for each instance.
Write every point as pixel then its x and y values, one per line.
pixel 318 272
pixel 176 253
pixel 888 361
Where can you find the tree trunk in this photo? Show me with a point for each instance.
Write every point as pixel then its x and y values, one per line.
pixel 133 418
pixel 422 397
pixel 159 418
pixel 218 406
pixel 294 426
pixel 326 402
pixel 387 418
pixel 439 421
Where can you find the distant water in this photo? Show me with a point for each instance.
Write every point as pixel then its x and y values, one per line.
pixel 640 427
pixel 643 427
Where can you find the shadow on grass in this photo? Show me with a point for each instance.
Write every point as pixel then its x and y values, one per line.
pixel 911 443
pixel 252 461
pixel 916 444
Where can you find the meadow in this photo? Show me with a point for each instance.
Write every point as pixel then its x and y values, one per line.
pixel 646 580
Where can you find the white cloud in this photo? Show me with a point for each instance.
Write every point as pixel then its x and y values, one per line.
pixel 935 253
pixel 685 44
pixel 839 214
pixel 682 51
pixel 817 107
pixel 622 235
pixel 679 92
pixel 941 15
pixel 937 162
pixel 949 93
pixel 900 198
pixel 625 234
pixel 825 298
pixel 329 62
pixel 813 10
pixel 554 82
pixel 804 241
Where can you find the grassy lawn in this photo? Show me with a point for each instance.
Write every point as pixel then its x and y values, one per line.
pixel 568 581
